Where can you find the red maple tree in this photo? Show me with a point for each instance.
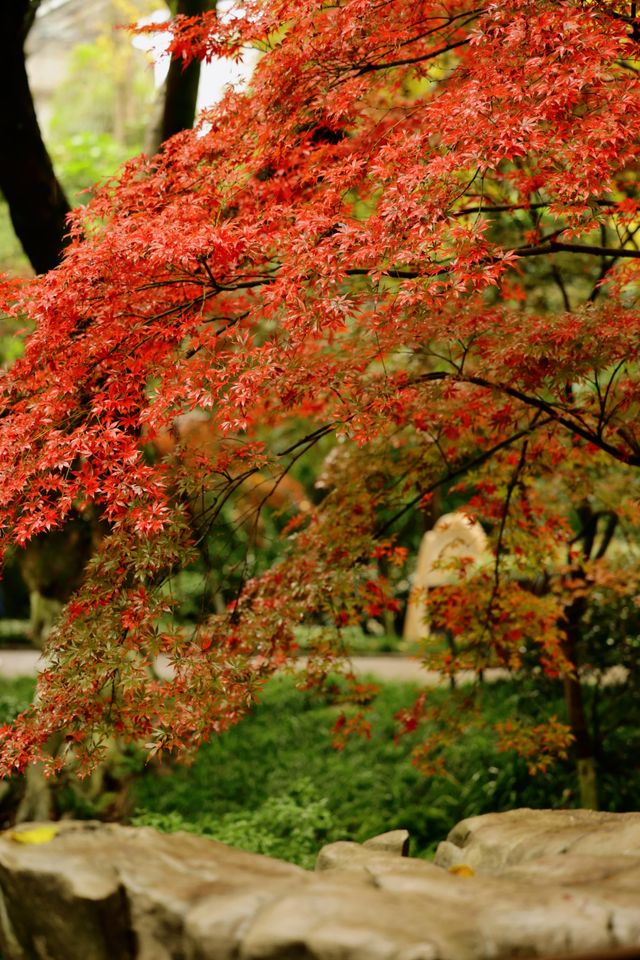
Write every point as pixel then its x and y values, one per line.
pixel 414 232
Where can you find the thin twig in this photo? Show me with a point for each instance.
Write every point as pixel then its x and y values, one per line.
pixel 472 464
pixel 513 483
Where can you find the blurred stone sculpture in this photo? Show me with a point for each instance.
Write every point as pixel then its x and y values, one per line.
pixel 449 551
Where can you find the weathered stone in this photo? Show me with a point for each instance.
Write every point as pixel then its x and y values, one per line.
pixel 622 873
pixel 492 842
pixel 343 855
pixel 105 891
pixel 217 924
pixel 329 921
pixel 454 540
pixel 346 854
pixel 394 841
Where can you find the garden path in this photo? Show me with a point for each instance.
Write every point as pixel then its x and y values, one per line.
pixel 400 669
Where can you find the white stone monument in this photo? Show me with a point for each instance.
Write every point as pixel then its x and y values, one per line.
pixel 455 542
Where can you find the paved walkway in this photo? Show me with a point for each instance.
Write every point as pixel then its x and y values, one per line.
pixel 20 663
pixel 403 669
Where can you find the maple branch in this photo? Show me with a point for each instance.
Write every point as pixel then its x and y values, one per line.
pixel 559 281
pixel 603 419
pixel 511 486
pixel 500 208
pixel 471 15
pixel 545 249
pixel 395 274
pixel 632 20
pixel 210 514
pixel 447 22
pixel 549 246
pixel 607 265
pixel 464 468
pixel 306 443
pixel 202 260
pixel 557 246
pixel 177 308
pixel 591 436
pixel 431 55
pixel 311 437
pixel 508 207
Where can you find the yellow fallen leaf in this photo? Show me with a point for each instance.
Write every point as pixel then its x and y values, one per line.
pixel 462 870
pixel 36 835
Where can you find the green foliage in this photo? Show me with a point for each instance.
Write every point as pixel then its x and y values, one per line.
pixel 275 785
pixel 291 826
pixel 15 696
pixel 12 261
pixel 285 741
pixel 365 789
pixel 100 115
pixel 611 632
pixel 246 540
pixel 108 89
pixel 85 158
pixel 357 641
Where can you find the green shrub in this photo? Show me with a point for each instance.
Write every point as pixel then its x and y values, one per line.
pixel 292 826
pixel 367 788
pixel 15 696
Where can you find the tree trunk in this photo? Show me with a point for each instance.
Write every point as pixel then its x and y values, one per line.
pixel 181 90
pixel 37 204
pixel 582 741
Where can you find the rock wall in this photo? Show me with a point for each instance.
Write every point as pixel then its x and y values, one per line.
pixel 527 883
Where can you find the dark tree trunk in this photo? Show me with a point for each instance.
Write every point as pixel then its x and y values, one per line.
pixel 596 533
pixel 181 92
pixel 37 204
pixel 574 700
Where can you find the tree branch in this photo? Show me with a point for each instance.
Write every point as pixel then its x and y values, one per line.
pixel 431 55
pixel 508 207
pixel 456 472
pixel 591 436
pixel 557 246
pixel 546 249
pixel 511 486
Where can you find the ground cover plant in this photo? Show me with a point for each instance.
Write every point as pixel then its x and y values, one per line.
pixel 411 238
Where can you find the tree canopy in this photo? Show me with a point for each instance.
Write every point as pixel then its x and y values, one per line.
pixel 414 232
